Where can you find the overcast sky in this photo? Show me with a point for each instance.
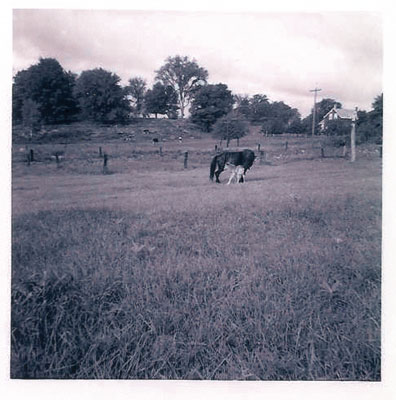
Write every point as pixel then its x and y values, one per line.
pixel 282 55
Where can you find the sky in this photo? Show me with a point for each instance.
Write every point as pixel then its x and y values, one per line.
pixel 281 55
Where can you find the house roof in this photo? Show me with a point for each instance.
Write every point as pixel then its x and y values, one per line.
pixel 342 113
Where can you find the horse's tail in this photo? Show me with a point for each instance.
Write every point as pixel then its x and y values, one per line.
pixel 212 167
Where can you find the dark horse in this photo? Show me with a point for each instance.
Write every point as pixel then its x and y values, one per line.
pixel 244 158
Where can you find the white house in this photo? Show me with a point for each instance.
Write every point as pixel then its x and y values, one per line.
pixel 337 113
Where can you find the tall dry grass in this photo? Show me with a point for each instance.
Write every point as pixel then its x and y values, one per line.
pixel 280 291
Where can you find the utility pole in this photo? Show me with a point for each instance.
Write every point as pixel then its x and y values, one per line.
pixel 316 90
pixel 353 135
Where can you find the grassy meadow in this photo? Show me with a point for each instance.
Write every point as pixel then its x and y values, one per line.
pixel 149 271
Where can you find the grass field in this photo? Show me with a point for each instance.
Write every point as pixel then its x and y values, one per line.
pixel 157 273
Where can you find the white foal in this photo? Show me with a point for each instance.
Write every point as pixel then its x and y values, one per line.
pixel 237 173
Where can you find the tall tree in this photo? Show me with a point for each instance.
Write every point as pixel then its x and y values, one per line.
pixel 259 108
pixel 100 96
pixel 242 105
pixel 370 124
pixel 279 117
pixel 376 115
pixel 20 94
pixel 210 103
pixel 185 76
pixel 161 99
pixel 50 87
pixel 306 124
pixel 283 112
pixel 230 126
pixel 295 125
pixel 136 90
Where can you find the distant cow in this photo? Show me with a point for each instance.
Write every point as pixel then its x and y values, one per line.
pixel 129 138
pixel 155 141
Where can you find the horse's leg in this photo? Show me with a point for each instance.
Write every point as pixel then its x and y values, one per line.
pixel 219 171
pixel 239 172
pixel 231 177
pixel 242 178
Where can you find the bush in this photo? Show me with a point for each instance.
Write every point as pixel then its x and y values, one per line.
pixel 338 141
pixel 337 128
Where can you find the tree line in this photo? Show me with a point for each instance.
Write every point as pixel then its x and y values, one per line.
pixel 45 93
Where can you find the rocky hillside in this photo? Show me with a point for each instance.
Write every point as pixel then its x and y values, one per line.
pixel 138 130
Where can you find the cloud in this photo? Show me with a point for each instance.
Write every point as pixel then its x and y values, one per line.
pixel 281 55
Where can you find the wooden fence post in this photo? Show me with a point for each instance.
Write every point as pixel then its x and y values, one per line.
pixel 286 145
pixel 258 147
pixel 160 151
pixel 263 157
pixel 100 152
pixel 105 159
pixel 215 148
pixel 322 152
pixel 353 142
pixel 31 155
pixel 57 159
pixel 185 159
